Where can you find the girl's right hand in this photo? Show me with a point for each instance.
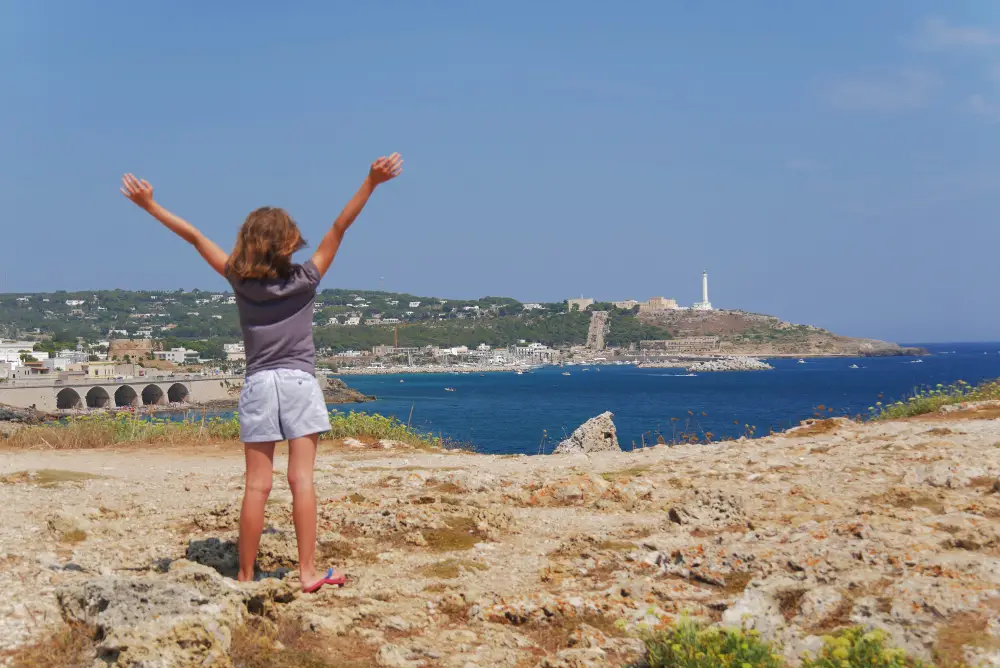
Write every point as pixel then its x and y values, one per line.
pixel 140 192
pixel 385 169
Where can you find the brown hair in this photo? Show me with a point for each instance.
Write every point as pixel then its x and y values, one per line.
pixel 265 244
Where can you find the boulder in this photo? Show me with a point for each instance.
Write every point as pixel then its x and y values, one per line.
pixel 185 618
pixel 597 434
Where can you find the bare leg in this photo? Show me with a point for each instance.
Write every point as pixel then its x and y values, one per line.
pixel 260 469
pixel 301 461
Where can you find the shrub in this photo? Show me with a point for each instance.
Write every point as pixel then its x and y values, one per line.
pixel 930 399
pixel 688 644
pixel 103 429
pixel 858 647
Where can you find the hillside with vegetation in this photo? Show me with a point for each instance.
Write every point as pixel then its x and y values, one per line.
pixel 745 333
pixel 360 319
pixel 204 321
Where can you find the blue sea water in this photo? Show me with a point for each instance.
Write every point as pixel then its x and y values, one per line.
pixel 507 413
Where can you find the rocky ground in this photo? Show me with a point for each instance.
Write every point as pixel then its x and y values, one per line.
pixel 469 560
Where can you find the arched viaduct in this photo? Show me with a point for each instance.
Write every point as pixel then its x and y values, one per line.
pixel 99 393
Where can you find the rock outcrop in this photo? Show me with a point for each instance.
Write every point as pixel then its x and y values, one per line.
pixel 339 392
pixel 730 364
pixel 597 434
pixel 185 618
pixel 461 560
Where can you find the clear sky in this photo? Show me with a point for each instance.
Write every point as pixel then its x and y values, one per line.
pixel 831 163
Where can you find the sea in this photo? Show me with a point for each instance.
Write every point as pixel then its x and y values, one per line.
pixel 506 413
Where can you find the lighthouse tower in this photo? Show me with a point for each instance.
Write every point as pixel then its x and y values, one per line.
pixel 704 304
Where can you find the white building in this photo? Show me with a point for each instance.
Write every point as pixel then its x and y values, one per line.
pixel 235 351
pixel 414 304
pixel 532 307
pixel 177 355
pixel 704 304
pixel 75 302
pixel 353 321
pixel 73 356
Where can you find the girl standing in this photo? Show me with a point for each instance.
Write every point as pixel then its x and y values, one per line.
pixel 281 399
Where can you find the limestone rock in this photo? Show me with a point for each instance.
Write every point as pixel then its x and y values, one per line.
pixel 214 553
pixel 182 619
pixel 818 605
pixel 755 609
pixel 709 509
pixel 597 434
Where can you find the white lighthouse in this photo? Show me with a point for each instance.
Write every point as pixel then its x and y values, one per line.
pixel 704 304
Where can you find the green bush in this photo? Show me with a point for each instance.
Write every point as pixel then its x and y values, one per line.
pixel 688 644
pixel 858 647
pixel 103 429
pixel 930 399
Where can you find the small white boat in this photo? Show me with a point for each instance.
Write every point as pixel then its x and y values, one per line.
pixel 802 361
pixel 854 366
pixel 402 381
pixel 565 373
pixel 916 361
pixel 449 389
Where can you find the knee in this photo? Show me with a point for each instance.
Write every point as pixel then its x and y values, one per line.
pixel 259 485
pixel 300 480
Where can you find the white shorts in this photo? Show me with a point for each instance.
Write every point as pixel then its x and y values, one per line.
pixel 279 404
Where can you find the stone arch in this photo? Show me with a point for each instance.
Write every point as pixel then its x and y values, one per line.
pixel 98 397
pixel 153 395
pixel 126 396
pixel 68 398
pixel 177 393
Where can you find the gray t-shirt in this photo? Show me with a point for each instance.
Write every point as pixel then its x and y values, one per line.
pixel 276 316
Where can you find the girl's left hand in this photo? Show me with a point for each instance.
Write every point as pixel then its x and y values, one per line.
pixel 140 192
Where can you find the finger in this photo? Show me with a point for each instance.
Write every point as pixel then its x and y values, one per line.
pixel 124 192
pixel 145 184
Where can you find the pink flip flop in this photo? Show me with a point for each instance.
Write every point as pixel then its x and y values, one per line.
pixel 332 578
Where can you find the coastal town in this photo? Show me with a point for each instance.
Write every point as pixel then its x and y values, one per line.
pixel 77 341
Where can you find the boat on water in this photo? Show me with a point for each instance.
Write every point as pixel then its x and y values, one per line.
pixel 916 361
pixel 802 362
pixel 854 366
pixel 565 373
pixel 449 389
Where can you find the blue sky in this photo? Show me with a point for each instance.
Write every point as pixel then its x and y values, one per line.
pixel 830 163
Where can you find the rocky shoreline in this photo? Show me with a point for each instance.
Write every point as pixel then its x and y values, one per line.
pixel 712 364
pixel 464 560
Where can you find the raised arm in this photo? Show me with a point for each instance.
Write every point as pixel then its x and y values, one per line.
pixel 381 171
pixel 141 193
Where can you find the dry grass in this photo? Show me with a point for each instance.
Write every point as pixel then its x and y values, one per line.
pixel 616 545
pixel 66 647
pixel 966 629
pixel 557 632
pixel 459 534
pixel 73 536
pixel 632 472
pixel 788 602
pixel 340 551
pixel 46 477
pixel 262 644
pixel 449 569
pixel 907 500
pixel 737 581
pixel 815 428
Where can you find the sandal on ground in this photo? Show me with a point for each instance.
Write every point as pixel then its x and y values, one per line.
pixel 332 578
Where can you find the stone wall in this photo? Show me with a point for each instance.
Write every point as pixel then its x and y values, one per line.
pixel 134 348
